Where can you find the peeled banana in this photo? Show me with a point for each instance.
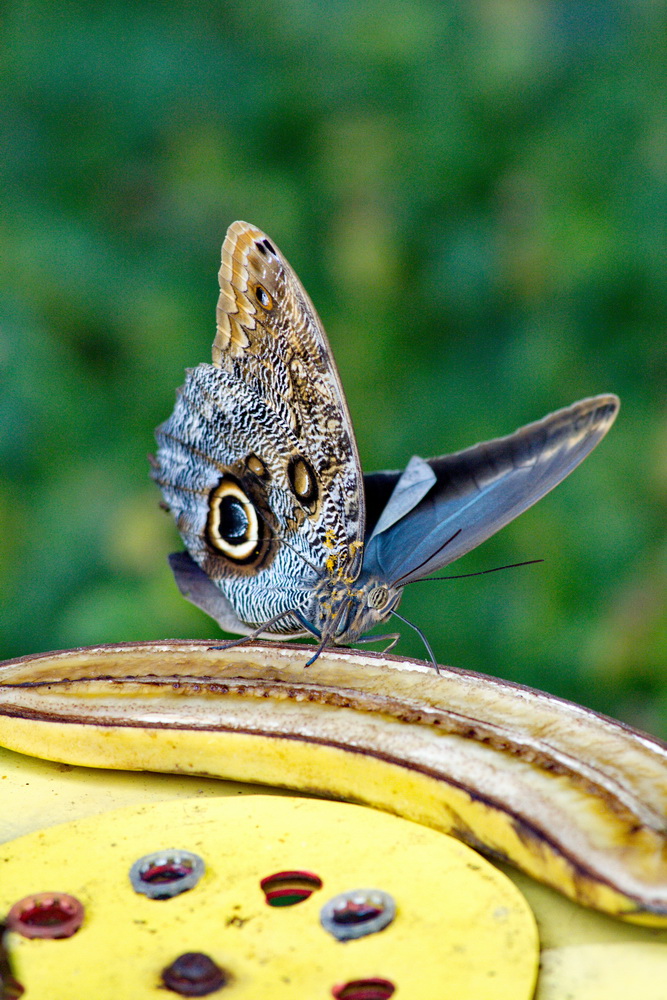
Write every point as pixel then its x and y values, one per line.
pixel 570 797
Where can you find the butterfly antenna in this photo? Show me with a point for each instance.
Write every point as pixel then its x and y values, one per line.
pixel 421 636
pixel 481 572
pixel 431 556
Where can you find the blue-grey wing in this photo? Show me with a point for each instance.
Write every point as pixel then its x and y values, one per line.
pixel 479 490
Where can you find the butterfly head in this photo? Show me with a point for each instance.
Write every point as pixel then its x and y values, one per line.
pixel 347 611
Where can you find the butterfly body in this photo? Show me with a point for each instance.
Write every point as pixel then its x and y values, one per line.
pixel 259 465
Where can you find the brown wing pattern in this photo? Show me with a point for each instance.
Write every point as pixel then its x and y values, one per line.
pixel 270 337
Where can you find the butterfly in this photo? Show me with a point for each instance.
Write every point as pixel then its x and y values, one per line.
pixel 258 463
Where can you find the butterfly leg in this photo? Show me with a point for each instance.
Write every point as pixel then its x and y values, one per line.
pixel 315 632
pixel 393 636
pixel 329 635
pixel 262 628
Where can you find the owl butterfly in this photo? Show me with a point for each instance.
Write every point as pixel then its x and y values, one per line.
pixel 285 536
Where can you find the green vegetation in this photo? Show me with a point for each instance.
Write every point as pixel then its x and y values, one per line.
pixel 474 196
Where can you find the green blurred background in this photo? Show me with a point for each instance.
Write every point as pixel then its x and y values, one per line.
pixel 474 195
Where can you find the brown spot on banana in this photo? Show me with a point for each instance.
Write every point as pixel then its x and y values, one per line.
pixel 574 799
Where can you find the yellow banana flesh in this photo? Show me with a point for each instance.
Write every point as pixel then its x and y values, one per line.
pixel 570 797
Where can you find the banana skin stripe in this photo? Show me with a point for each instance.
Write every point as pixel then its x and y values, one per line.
pixel 574 799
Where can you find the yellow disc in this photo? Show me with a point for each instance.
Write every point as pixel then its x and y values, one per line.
pixel 462 930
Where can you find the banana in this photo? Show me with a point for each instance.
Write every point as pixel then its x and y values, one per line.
pixel 570 797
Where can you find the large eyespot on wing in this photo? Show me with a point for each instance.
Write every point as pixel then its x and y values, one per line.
pixel 481 489
pixel 238 535
pixel 232 526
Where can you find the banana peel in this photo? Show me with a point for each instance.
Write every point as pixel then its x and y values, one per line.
pixel 567 796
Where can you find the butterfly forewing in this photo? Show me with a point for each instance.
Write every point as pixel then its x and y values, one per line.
pixel 481 489
pixel 270 336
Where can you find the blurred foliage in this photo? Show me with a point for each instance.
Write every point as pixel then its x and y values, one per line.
pixel 474 196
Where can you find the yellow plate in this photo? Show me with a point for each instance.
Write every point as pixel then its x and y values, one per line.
pixel 462 929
